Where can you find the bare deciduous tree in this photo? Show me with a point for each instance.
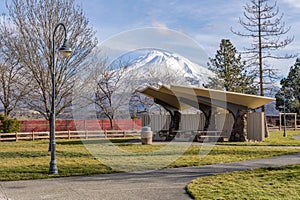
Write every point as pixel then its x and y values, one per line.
pixel 34 22
pixel 14 80
pixel 103 88
pixel 155 76
pixel 111 90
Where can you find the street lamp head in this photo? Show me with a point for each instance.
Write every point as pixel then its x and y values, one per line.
pixel 65 49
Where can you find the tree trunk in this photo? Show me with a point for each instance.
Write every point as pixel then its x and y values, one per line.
pixel 111 121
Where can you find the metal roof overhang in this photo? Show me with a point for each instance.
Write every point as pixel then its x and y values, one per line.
pixel 177 97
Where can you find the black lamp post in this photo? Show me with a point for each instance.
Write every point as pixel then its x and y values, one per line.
pixel 284 113
pixel 66 51
pixel 284 117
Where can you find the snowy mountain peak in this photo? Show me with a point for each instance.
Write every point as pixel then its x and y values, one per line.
pixel 163 65
pixel 153 56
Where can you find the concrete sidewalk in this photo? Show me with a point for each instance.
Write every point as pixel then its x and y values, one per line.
pixel 160 184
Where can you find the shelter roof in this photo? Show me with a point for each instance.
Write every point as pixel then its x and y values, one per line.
pixel 172 95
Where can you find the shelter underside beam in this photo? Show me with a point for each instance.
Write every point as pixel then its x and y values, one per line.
pixel 174 113
pixel 205 104
pixel 165 105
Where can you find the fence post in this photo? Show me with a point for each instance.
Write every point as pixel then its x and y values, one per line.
pixel 105 133
pixel 16 136
pixel 67 125
pixel 279 121
pixel 32 136
pixel 132 124
pixel 124 134
pixel 295 122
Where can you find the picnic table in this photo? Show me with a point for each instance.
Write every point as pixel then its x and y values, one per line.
pixel 195 135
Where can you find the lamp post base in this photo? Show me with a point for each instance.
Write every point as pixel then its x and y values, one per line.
pixel 53 168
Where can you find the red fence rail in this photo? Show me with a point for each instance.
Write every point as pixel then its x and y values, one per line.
pixel 73 125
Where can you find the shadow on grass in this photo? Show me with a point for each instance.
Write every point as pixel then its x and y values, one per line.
pixel 25 154
pixel 96 141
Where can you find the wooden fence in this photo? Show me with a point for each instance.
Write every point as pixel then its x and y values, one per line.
pixel 69 135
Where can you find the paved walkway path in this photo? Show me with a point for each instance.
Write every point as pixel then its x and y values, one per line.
pixel 162 184
pixel 297 137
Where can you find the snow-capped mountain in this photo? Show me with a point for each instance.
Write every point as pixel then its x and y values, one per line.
pixel 168 68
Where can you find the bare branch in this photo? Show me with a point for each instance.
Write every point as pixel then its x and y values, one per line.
pixel 34 22
pixel 263 23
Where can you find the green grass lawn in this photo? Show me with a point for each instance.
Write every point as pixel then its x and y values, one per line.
pixel 30 159
pixel 277 139
pixel 274 139
pixel 267 183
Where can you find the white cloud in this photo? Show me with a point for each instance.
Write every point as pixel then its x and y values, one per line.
pixel 158 24
pixel 162 27
pixel 295 3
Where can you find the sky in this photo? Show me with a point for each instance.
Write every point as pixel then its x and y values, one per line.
pixel 201 23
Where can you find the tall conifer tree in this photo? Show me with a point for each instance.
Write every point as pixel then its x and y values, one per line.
pixel 262 22
pixel 231 73
pixel 290 90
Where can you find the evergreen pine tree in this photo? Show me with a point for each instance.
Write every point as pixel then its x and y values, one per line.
pixel 290 90
pixel 231 73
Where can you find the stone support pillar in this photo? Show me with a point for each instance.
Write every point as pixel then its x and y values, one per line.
pixel 239 131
